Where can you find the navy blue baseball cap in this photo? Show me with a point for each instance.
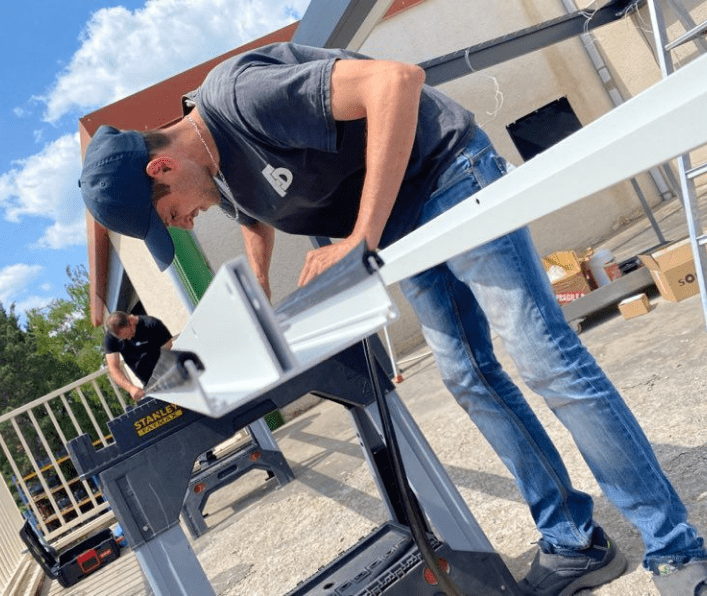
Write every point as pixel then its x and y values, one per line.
pixel 118 192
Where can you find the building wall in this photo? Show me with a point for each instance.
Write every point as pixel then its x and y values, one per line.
pixel 155 288
pixel 502 94
pixel 498 96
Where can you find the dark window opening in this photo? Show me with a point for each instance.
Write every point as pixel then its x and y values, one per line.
pixel 544 127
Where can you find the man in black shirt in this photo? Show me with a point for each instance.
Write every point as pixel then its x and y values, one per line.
pixel 139 340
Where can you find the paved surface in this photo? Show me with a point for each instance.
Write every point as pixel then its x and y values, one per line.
pixel 264 539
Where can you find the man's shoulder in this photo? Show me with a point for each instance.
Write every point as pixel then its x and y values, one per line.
pixel 111 344
pixel 150 321
pixel 282 53
pixel 153 326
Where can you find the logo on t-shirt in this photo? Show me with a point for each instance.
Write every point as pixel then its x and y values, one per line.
pixel 279 178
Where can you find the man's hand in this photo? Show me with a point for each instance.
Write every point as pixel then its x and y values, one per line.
pixel 322 258
pixel 137 393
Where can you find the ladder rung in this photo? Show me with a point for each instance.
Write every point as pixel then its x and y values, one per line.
pixel 693 33
pixel 701 240
pixel 697 171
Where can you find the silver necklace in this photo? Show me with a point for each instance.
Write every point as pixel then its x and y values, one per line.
pixel 219 178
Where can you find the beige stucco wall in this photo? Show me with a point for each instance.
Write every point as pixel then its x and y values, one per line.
pixel 502 94
pixel 155 289
pixel 498 96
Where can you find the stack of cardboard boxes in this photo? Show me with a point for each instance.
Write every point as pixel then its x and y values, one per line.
pixel 672 268
pixel 570 279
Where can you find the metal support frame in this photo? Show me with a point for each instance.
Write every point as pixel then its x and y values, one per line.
pixel 339 23
pixel 489 53
pixel 223 471
pixel 145 477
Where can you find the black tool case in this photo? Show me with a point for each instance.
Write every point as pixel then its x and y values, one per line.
pixel 77 562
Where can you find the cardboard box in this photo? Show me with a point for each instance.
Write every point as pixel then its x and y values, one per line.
pixel 635 306
pixel 673 270
pixel 573 284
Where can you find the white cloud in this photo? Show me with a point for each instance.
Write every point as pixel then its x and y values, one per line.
pixel 121 53
pixel 60 235
pixel 15 279
pixel 32 302
pixel 125 51
pixel 45 185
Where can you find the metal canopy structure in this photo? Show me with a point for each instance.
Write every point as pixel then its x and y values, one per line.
pixel 340 23
pixel 489 53
pixel 347 23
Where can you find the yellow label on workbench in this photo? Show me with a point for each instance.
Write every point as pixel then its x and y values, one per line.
pixel 157 419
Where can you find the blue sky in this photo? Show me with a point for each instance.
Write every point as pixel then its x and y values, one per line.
pixel 62 60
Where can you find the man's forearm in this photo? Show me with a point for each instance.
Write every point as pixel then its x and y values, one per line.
pixel 121 379
pixel 259 241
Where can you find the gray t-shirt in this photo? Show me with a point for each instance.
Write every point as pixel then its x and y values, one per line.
pixel 289 164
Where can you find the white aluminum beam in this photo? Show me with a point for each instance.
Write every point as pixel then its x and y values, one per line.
pixel 665 121
pixel 247 349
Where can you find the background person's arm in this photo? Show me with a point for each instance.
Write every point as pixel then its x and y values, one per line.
pixel 121 379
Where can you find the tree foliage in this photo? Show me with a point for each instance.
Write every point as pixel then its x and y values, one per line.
pixel 64 330
pixel 58 346
pixel 25 373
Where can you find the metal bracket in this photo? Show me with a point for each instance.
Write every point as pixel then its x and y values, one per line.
pixel 247 347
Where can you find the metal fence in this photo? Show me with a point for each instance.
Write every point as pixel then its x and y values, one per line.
pixel 37 469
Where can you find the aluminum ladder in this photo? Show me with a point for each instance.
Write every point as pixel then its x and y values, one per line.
pixel 687 172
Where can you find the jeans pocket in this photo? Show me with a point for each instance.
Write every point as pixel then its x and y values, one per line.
pixel 476 166
pixel 488 166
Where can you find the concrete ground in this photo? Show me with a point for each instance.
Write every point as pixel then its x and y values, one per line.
pixel 264 539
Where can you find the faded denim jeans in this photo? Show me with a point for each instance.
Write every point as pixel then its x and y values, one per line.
pixel 501 286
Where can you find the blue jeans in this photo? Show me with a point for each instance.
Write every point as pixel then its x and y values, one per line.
pixel 503 286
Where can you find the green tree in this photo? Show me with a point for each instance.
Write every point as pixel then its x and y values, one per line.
pixel 16 349
pixel 63 328
pixel 25 373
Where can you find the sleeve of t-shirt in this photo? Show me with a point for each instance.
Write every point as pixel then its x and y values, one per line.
pixel 288 104
pixel 111 344
pixel 158 330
